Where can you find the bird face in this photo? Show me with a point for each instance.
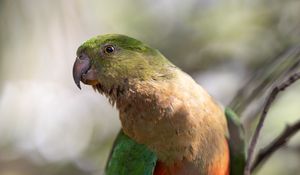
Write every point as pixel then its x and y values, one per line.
pixel 111 59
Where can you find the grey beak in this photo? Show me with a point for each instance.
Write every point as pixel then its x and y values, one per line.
pixel 81 66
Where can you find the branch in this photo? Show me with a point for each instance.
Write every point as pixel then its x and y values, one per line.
pixel 274 70
pixel 277 143
pixel 276 90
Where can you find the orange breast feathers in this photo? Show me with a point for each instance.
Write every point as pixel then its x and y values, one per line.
pixel 220 166
pixel 221 162
pixel 178 168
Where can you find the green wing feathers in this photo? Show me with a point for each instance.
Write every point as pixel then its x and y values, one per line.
pixel 236 142
pixel 129 157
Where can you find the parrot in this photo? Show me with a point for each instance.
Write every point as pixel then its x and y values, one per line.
pixel 170 124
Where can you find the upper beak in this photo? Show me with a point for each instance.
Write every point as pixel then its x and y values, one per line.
pixel 81 67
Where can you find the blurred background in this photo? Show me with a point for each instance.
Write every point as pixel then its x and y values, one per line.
pixel 49 127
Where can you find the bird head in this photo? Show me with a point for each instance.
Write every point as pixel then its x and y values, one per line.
pixel 110 60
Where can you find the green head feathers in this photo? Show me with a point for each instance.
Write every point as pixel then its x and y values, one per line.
pixel 112 58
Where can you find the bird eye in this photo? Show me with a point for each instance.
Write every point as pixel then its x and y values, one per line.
pixel 109 49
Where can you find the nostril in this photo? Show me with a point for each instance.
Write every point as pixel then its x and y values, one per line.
pixel 83 56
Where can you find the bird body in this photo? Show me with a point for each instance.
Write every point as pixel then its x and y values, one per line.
pixel 181 123
pixel 160 106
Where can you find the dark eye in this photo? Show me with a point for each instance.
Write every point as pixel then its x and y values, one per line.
pixel 109 49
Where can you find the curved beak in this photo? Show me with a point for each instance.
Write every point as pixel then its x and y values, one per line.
pixel 81 67
pixel 83 71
